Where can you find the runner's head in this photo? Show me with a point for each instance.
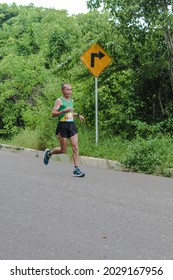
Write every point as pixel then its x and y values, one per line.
pixel 66 90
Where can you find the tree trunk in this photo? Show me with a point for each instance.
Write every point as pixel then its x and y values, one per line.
pixel 169 43
pixel 168 40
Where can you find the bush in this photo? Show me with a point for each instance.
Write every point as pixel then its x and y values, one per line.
pixel 144 155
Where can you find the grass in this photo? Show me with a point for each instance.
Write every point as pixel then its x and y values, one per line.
pixel 153 155
pixel 108 147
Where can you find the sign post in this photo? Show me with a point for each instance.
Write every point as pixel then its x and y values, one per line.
pixel 96 60
pixel 96 108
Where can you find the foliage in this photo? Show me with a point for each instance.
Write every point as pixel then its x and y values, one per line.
pixel 41 48
pixel 145 30
pixel 144 155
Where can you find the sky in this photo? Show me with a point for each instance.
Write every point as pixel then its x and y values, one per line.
pixel 72 6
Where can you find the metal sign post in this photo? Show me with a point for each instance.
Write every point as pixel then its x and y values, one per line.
pixel 96 60
pixel 96 109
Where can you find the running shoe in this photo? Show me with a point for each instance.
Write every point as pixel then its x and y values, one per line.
pixel 47 156
pixel 78 173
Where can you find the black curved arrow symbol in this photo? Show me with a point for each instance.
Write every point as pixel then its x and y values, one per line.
pixel 100 55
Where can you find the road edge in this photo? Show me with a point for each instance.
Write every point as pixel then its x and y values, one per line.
pixel 90 161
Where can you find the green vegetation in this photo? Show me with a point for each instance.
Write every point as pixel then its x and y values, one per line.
pixel 41 48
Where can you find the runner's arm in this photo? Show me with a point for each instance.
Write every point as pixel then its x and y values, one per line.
pixel 57 105
pixel 82 119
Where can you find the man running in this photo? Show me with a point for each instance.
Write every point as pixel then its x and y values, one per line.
pixel 66 128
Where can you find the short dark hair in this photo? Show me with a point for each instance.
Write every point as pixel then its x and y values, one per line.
pixel 63 85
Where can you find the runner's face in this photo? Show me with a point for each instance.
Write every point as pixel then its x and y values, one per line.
pixel 67 91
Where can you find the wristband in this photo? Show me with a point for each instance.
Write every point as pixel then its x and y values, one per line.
pixel 78 115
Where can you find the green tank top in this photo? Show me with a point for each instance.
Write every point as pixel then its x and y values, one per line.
pixel 68 117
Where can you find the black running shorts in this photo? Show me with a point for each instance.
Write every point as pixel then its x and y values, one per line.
pixel 66 129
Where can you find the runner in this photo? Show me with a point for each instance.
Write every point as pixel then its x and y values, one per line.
pixel 66 128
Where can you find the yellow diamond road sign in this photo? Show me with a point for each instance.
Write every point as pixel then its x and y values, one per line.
pixel 96 59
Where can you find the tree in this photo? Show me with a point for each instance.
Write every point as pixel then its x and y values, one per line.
pixel 146 29
pixel 41 48
pixel 150 15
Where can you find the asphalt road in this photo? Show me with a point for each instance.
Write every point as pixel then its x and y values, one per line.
pixel 45 213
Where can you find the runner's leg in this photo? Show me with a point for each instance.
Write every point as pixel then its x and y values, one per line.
pixel 74 144
pixel 63 146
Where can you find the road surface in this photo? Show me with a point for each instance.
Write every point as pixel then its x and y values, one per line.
pixel 45 213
